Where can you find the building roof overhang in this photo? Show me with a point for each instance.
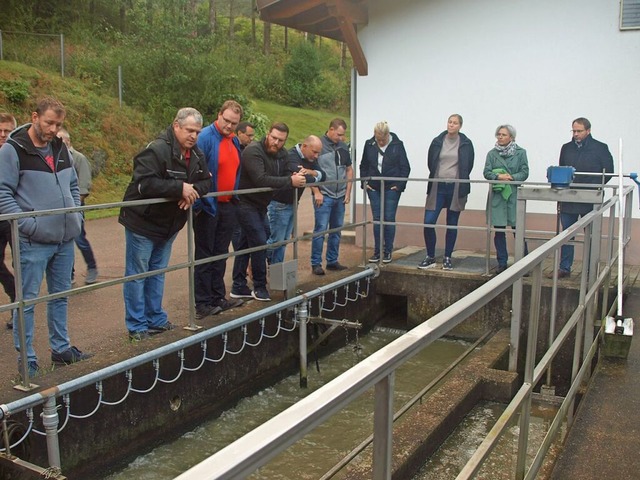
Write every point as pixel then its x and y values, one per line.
pixel 336 19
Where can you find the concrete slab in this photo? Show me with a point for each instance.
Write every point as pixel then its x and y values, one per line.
pixel 605 438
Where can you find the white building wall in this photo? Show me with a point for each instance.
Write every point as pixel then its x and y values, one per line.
pixel 536 65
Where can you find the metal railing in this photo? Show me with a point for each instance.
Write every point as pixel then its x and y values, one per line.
pixel 300 305
pixel 255 449
pixel 436 326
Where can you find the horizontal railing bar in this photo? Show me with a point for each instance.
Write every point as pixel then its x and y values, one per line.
pixel 107 372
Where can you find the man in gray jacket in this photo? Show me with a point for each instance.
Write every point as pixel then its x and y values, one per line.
pixel 83 170
pixel 329 200
pixel 36 173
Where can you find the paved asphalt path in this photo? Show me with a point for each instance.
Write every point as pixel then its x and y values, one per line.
pixel 96 318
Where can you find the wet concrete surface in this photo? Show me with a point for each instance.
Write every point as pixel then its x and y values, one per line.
pixel 605 439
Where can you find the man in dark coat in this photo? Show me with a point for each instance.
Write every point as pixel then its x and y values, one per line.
pixel 263 164
pixel 172 166
pixel 585 154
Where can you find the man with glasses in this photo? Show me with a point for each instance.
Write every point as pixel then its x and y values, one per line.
pixel 330 200
pixel 263 165
pixel 245 133
pixel 585 154
pixel 216 217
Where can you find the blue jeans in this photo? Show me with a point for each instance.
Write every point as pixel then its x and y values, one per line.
pixel 254 234
pixel 212 237
pixel 143 297
pixel 443 200
pixel 57 261
pixel 391 199
pixel 280 226
pixel 328 215
pixel 567 251
pixel 85 247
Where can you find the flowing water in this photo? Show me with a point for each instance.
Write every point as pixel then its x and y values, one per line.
pixel 321 449
pixel 456 451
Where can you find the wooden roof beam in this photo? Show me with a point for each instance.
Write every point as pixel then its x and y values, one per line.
pixel 351 39
pixel 279 10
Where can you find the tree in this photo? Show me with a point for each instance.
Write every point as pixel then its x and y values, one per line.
pixel 302 73
pixel 253 23
pixel 266 46
pixel 231 20
pixel 212 16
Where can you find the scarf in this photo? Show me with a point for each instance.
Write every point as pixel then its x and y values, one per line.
pixel 507 150
pixel 504 188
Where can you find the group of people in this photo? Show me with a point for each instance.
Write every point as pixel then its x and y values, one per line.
pixel 450 161
pixel 187 162
pixel 39 169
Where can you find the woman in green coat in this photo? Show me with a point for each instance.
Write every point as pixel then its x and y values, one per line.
pixel 506 162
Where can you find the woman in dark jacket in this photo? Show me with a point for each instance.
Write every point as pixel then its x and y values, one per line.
pixel 384 156
pixel 450 158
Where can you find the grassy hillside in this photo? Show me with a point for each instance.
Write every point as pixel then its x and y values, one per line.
pixel 98 124
pixel 301 122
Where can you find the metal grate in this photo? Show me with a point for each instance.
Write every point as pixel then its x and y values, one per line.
pixel 629 14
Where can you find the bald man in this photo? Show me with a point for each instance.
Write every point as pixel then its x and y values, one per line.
pixel 301 158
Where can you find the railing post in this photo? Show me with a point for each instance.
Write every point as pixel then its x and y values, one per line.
pixel 516 298
pixel 383 428
pixel 191 269
pixel 50 421
pixel 364 226
pixel 303 315
pixel 530 364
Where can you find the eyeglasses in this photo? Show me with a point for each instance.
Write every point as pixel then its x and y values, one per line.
pixel 229 122
pixel 276 139
pixel 502 135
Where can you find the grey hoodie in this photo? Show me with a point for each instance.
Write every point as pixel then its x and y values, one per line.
pixel 28 184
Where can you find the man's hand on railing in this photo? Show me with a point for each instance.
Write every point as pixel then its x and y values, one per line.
pixel 189 196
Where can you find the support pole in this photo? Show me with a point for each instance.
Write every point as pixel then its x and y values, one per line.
pixel 50 421
pixel 62 55
pixel 383 428
pixel 303 315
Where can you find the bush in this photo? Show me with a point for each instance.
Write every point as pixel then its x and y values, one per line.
pixel 16 91
pixel 302 74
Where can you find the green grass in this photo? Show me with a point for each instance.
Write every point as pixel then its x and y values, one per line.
pixel 301 122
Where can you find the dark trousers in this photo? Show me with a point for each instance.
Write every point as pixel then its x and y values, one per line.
pixel 6 277
pixel 253 234
pixel 212 237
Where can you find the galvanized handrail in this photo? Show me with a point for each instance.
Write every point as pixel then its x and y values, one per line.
pixel 255 449
pixel 97 377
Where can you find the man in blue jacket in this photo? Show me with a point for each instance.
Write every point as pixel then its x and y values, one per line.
pixel 217 217
pixel 36 173
pixel 585 154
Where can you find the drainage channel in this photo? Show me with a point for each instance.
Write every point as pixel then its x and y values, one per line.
pixel 313 455
pixel 458 448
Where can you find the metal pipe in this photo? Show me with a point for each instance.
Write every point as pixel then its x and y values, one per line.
pixel 383 427
pixel 303 315
pixel 50 421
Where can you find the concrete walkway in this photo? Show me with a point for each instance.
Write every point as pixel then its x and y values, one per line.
pixel 605 439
